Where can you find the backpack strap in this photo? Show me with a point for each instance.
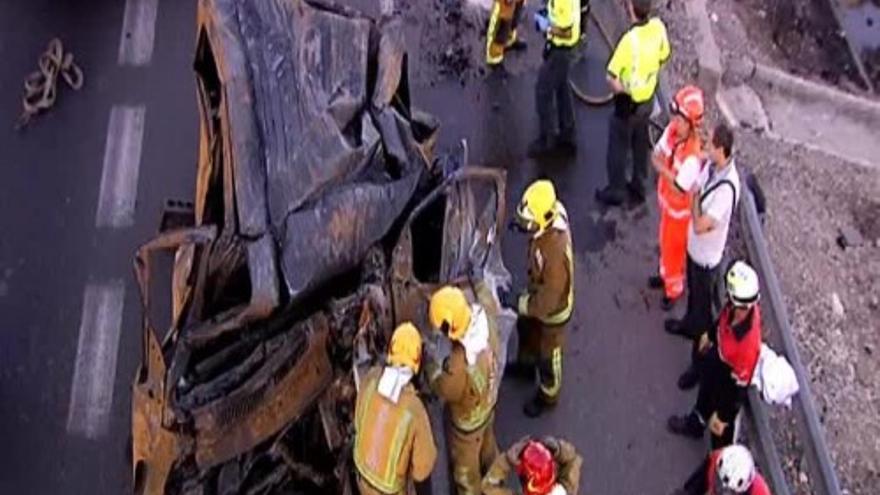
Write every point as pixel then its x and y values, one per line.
pixel 715 186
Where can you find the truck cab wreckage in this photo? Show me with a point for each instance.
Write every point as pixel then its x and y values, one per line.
pixel 321 220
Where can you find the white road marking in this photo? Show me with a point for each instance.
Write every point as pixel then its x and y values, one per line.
pixel 122 158
pixel 91 393
pixel 138 32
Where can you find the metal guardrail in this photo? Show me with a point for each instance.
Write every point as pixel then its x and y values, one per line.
pixel 854 53
pixel 824 478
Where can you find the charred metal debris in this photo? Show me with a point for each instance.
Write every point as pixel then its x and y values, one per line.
pixel 321 219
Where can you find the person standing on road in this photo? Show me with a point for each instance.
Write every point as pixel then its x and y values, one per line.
pixel 545 308
pixel 393 443
pixel 550 466
pixel 468 382
pixel 501 35
pixel 677 160
pixel 632 74
pixel 727 471
pixel 561 24
pixel 712 208
pixel 724 362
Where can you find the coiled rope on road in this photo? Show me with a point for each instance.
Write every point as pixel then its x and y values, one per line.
pixel 41 86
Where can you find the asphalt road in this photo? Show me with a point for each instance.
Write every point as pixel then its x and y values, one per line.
pixel 51 249
pixel 619 366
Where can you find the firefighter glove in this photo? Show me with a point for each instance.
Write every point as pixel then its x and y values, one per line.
pixel 507 298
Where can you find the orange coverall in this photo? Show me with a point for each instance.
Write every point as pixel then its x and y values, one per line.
pixel 681 156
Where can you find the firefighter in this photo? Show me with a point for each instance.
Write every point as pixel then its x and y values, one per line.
pixel 393 443
pixel 727 471
pixel 561 24
pixel 501 34
pixel 545 308
pixel 468 383
pixel 547 467
pixel 633 73
pixel 677 160
pixel 725 362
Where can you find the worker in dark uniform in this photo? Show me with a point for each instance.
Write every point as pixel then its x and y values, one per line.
pixel 724 362
pixel 727 471
pixel 545 308
pixel 561 24
pixel 633 73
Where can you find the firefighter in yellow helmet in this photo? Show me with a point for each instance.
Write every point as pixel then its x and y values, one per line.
pixel 393 443
pixel 501 34
pixel 546 306
pixel 468 382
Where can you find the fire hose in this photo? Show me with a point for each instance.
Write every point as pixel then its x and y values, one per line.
pixel 580 94
pixel 41 86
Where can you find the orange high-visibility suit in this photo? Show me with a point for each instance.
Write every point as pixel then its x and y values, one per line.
pixel 681 156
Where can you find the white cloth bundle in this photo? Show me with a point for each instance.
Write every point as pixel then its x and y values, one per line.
pixel 775 378
pixel 393 379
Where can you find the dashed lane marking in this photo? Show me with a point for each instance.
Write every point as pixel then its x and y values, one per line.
pixel 91 394
pixel 138 32
pixel 122 158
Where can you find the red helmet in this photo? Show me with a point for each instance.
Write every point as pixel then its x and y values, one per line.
pixel 536 469
pixel 689 103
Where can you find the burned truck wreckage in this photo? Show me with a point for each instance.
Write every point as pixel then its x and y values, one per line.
pixel 321 219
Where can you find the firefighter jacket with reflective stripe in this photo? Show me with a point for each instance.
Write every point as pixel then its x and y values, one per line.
pixel 565 22
pixel 759 486
pixel 392 441
pixel 740 354
pixel 471 391
pixel 638 57
pixel 550 296
pixel 676 150
pixel 568 469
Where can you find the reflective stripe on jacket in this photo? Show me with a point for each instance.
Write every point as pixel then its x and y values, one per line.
pixel 392 441
pixel 471 391
pixel 638 57
pixel 565 22
pixel 676 151
pixel 550 296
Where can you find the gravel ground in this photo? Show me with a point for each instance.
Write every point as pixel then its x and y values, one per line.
pixel 832 294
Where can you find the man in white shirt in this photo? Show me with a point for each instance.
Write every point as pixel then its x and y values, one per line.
pixel 714 201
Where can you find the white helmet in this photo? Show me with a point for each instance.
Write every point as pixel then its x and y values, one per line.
pixel 735 469
pixel 742 284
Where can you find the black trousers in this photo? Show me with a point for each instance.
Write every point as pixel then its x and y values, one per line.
pixel 628 133
pixel 701 293
pixel 718 394
pixel 553 95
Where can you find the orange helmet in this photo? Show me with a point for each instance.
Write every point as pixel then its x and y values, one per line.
pixel 536 469
pixel 689 103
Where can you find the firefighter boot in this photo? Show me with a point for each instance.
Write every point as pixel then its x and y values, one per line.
pixel 542 146
pixel 689 379
pixel 536 406
pixel 687 426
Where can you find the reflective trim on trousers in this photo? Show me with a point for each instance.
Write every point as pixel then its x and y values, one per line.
pixel 550 383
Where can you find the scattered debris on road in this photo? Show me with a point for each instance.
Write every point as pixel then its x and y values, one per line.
pixel 321 219
pixel 41 86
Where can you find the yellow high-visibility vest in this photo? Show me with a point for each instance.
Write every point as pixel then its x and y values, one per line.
pixel 638 57
pixel 565 22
